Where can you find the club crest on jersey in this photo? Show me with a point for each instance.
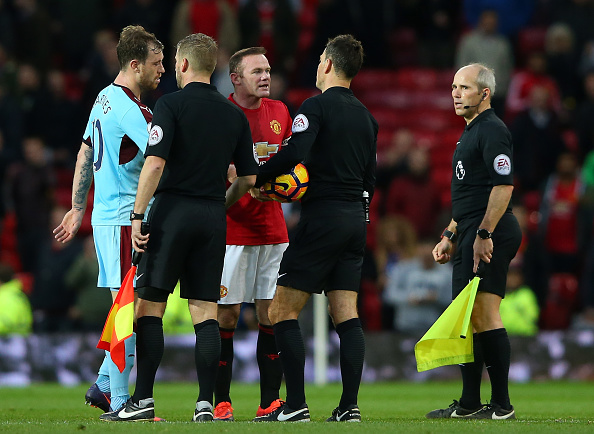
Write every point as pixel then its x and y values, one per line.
pixel 276 126
pixel 502 164
pixel 224 291
pixel 156 135
pixel 300 123
pixel 460 172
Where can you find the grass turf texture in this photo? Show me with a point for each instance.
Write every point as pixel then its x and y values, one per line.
pixel 388 407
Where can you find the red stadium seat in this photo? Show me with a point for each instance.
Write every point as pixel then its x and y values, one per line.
pixel 561 302
pixel 375 79
pixel 8 243
pixel 403 98
pixel 531 201
pixel 371 305
pixel 442 179
pixel 394 98
pixel 451 136
pixel 433 119
pixel 417 78
pixel 295 97
pixel 390 118
pixel 439 99
pixel 441 156
pixel 444 78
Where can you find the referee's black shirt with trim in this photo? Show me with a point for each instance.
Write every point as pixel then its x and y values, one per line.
pixel 482 159
pixel 199 132
pixel 335 137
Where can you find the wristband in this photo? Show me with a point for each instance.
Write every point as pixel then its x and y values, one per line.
pixel 453 237
pixel 136 216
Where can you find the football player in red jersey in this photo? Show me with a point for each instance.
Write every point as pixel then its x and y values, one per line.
pixel 256 236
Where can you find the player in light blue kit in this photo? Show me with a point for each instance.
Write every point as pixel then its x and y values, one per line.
pixel 112 152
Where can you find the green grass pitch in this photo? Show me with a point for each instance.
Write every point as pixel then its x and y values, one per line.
pixel 386 408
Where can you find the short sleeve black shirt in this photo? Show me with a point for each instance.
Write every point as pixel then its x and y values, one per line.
pixel 483 159
pixel 335 136
pixel 199 132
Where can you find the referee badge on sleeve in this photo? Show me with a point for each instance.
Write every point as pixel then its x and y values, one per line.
pixel 502 164
pixel 156 135
pixel 300 123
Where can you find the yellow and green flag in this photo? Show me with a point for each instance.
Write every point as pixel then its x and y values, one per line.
pixel 120 322
pixel 449 340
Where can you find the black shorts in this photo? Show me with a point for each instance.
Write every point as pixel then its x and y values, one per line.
pixel 186 243
pixel 506 242
pixel 327 252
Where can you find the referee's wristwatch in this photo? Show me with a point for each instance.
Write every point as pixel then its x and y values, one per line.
pixel 452 236
pixel 484 234
pixel 136 216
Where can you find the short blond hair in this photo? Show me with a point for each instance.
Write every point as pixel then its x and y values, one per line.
pixel 200 50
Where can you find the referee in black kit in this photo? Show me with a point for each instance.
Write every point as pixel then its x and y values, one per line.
pixel 195 134
pixel 483 228
pixel 335 137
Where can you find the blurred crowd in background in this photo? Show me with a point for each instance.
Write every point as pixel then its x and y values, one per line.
pixel 56 55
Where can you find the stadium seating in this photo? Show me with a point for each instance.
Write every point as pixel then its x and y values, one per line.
pixel 8 242
pixel 375 79
pixel 561 302
pixel 530 39
pixel 296 96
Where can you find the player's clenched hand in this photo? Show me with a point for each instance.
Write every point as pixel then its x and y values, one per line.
pixel 442 251
pixel 69 226
pixel 483 251
pixel 258 193
pixel 139 241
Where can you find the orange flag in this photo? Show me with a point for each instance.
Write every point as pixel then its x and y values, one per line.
pixel 120 322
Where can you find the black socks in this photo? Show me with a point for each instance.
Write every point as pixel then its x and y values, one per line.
pixel 289 343
pixel 149 349
pixel 352 354
pixel 207 354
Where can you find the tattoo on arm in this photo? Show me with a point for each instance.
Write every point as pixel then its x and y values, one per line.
pixel 85 178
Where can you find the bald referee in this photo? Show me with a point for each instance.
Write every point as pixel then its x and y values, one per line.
pixel 195 134
pixel 483 229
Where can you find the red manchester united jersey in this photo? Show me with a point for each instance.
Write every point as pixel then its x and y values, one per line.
pixel 249 221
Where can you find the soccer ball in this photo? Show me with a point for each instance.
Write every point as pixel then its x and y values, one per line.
pixel 288 187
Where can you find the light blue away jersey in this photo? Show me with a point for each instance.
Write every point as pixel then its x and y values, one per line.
pixel 118 133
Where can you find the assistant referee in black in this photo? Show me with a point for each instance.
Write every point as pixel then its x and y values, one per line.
pixel 335 137
pixel 483 229
pixel 195 134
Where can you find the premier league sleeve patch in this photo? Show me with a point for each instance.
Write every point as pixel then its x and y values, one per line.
pixel 502 164
pixel 155 136
pixel 300 124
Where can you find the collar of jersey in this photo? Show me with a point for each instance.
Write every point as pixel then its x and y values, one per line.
pixel 483 115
